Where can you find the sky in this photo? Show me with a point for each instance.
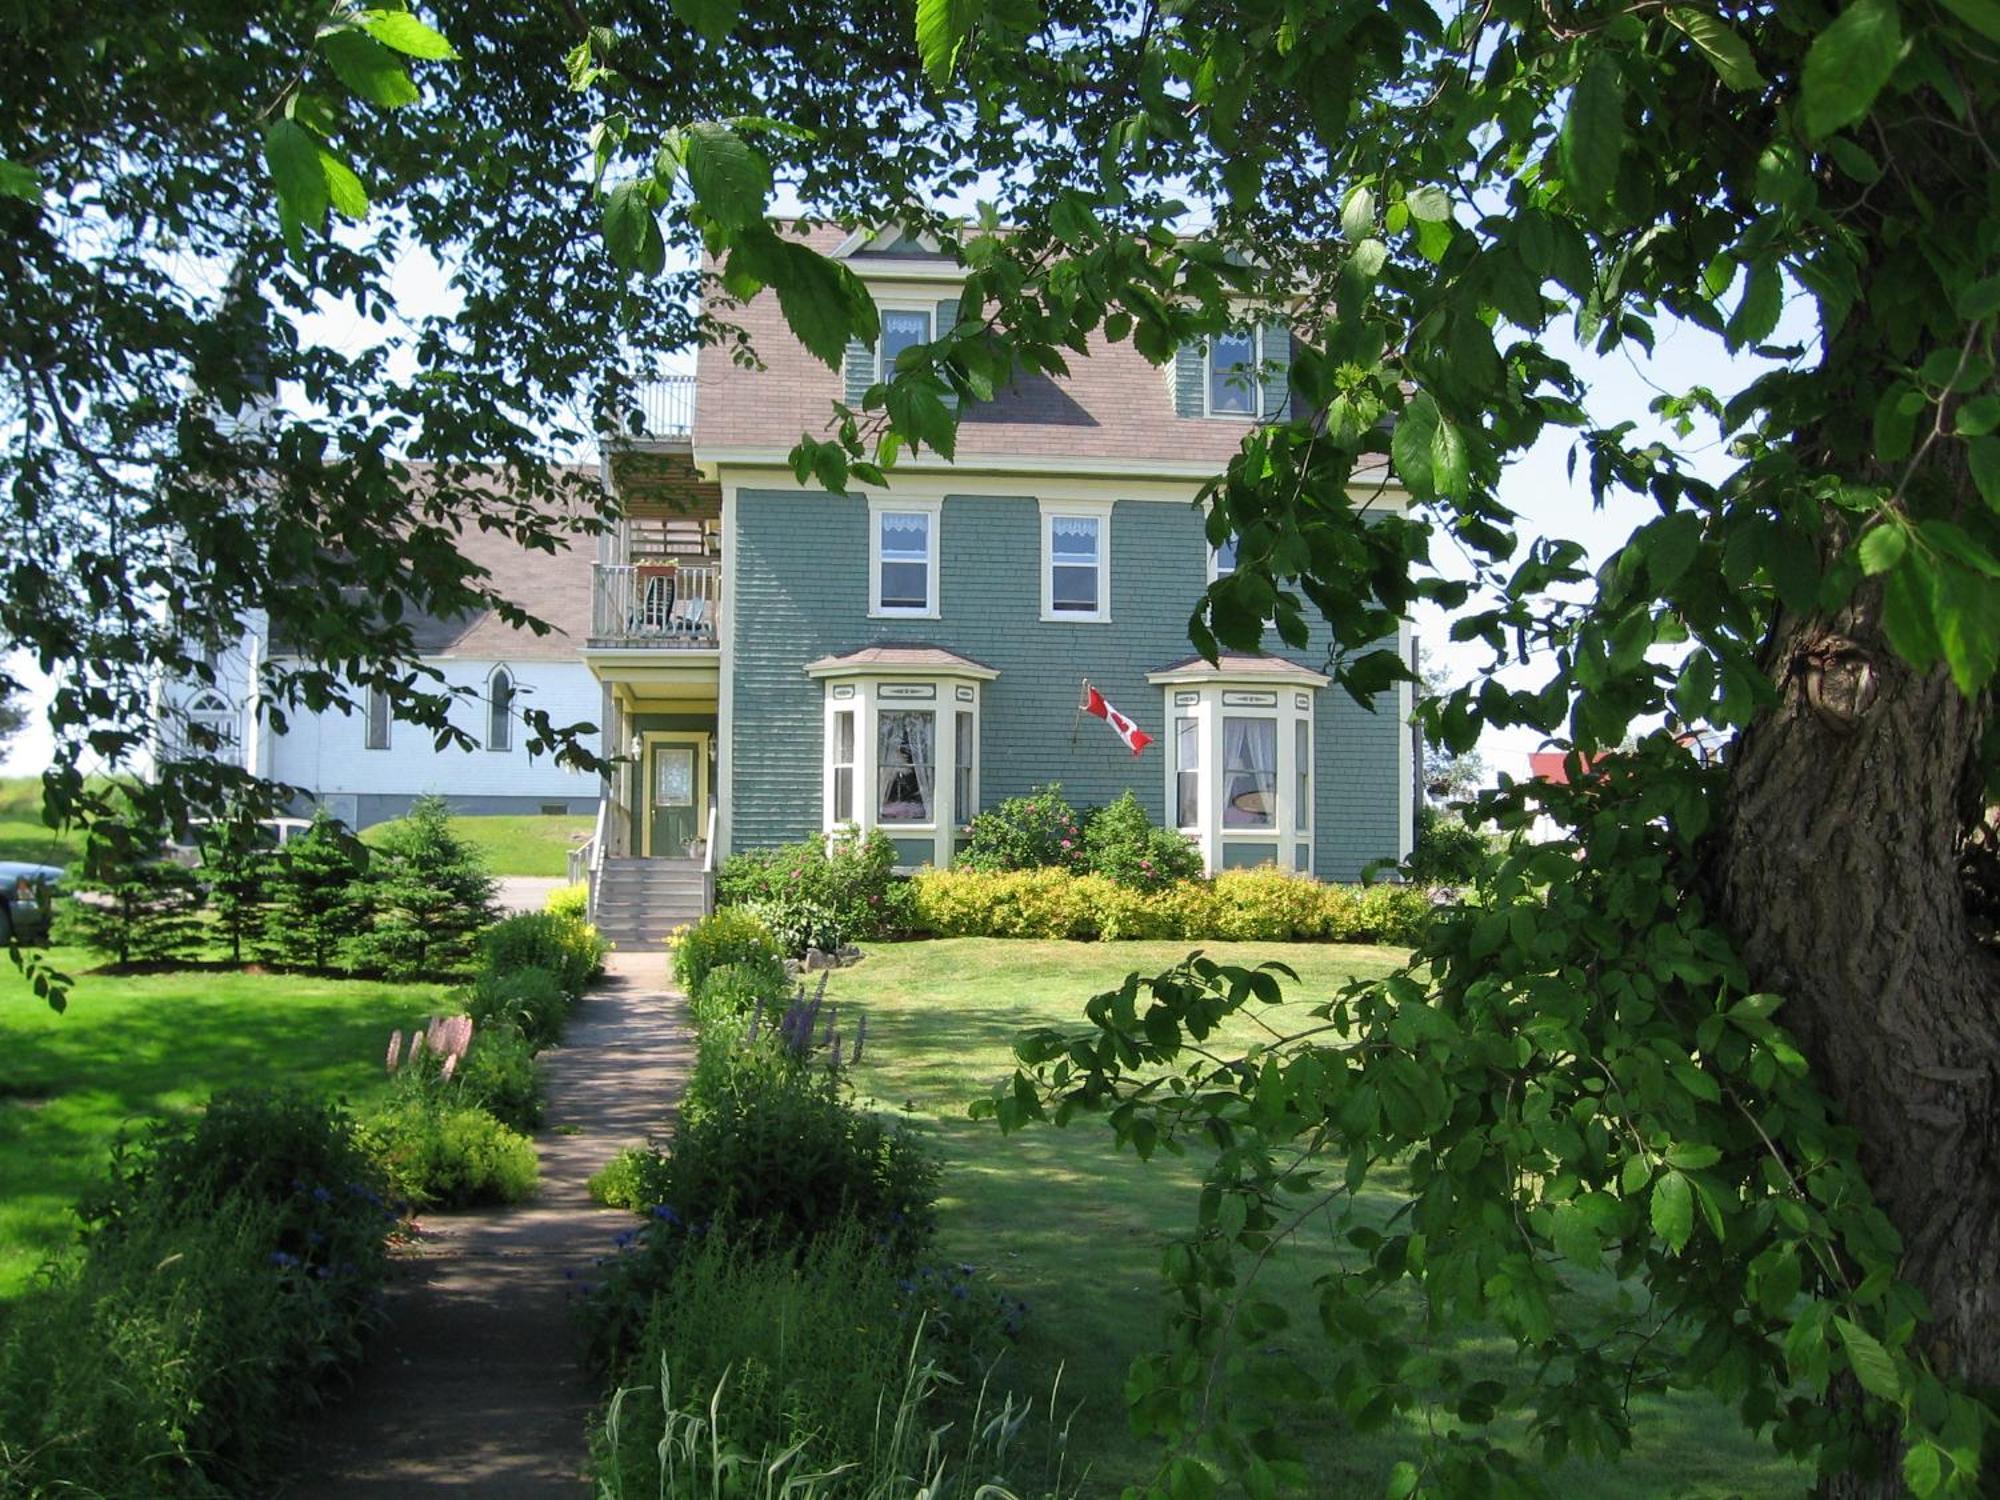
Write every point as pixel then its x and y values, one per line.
pixel 1537 486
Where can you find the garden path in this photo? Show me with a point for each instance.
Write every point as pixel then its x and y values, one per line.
pixel 474 1386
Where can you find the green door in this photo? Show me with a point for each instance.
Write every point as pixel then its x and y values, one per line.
pixel 673 810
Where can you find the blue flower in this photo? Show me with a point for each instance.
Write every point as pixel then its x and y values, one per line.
pixel 321 1195
pixel 281 1258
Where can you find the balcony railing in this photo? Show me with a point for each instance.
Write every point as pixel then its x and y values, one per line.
pixel 673 604
pixel 666 407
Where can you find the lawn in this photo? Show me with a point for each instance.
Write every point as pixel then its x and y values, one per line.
pixel 134 1046
pixel 23 835
pixel 514 844
pixel 1060 1219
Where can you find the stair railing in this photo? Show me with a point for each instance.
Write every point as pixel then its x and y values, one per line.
pixel 708 865
pixel 590 856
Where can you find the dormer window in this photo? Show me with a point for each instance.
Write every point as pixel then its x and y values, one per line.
pixel 1233 365
pixel 902 328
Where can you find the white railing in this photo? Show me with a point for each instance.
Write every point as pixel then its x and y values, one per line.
pixel 666 407
pixel 657 604
pixel 708 864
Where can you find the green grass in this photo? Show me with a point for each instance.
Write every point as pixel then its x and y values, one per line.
pixel 1061 1220
pixel 23 835
pixel 131 1047
pixel 523 844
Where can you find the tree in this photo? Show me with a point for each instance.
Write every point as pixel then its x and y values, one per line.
pixel 315 911
pixel 131 903
pixel 1449 775
pixel 428 898
pixel 236 867
pixel 1585 1058
pixel 13 717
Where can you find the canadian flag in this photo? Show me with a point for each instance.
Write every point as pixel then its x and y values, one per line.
pixel 1130 733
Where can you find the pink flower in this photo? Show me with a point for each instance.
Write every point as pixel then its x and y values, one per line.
pixel 1065 843
pixel 450 1065
pixel 395 1049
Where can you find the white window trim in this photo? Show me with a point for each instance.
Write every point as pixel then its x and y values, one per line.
pixel 885 372
pixel 880 505
pixel 1256 332
pixel 1208 712
pixel 1092 510
pixel 867 702
pixel 513 694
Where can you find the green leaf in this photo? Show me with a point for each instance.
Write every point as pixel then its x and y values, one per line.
pixel 1873 1365
pixel 404 32
pixel 1980 300
pixel 1450 470
pixel 1576 1237
pixel 711 20
pixel 1369 258
pixel 1673 1209
pixel 943 27
pixel 1978 416
pixel 291 152
pixel 1726 51
pixel 368 68
pixel 1984 457
pixel 1413 446
pixel 1402 1481
pixel 344 190
pixel 1757 313
pixel 1923 1467
pixel 17 181
pixel 729 179
pixel 1593 132
pixel 823 301
pixel 1357 215
pixel 1430 205
pixel 1909 612
pixel 1848 65
pixel 1882 548
pixel 1669 546
pixel 1983 16
pixel 631 231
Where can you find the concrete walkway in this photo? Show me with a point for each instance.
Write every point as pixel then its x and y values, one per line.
pixel 474 1386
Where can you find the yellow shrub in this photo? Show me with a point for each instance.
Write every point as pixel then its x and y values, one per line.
pixel 1266 905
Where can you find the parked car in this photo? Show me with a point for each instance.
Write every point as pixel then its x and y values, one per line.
pixel 276 833
pixel 27 900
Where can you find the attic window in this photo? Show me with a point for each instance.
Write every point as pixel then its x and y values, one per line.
pixel 1232 374
pixel 901 329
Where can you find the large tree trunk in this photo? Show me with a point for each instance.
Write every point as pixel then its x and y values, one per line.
pixel 1849 804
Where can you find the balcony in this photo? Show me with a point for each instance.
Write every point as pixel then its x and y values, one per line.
pixel 672 604
pixel 665 410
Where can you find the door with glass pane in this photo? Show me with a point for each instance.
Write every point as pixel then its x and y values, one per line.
pixel 674 812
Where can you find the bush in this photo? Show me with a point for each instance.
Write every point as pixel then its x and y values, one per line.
pixel 146 908
pixel 439 1152
pixel 1260 905
pixel 572 901
pixel 237 861
pixel 316 906
pixel 528 1001
pixel 1033 832
pixel 727 936
pixel 569 949
pixel 833 890
pixel 229 1265
pixel 1447 851
pixel 1121 843
pixel 428 896
pixel 735 991
pixel 499 1076
pixel 633 1179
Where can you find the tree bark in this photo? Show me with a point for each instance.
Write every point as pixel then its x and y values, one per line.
pixel 1848 807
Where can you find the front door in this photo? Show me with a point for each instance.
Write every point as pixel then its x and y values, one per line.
pixel 675 771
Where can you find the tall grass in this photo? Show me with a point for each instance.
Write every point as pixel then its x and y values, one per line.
pixel 697 1456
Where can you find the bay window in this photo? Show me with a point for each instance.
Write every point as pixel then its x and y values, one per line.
pixel 841 757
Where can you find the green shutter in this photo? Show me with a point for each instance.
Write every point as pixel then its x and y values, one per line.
pixel 947 319
pixel 1190 372
pixel 1276 371
pixel 858 369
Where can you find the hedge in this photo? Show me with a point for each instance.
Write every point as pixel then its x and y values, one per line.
pixel 1262 905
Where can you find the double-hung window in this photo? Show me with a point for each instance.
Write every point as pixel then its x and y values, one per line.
pixel 1187 773
pixel 1076 552
pixel 1233 374
pixel 842 760
pixel 378 719
pixel 965 796
pixel 1249 772
pixel 901 328
pixel 903 545
pixel 906 782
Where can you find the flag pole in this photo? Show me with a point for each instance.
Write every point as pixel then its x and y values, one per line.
pixel 1076 723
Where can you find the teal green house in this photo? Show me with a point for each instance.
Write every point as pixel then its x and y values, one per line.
pixel 779 662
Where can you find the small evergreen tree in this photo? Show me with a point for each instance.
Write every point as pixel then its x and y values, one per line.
pixel 237 863
pixel 132 904
pixel 314 911
pixel 429 898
